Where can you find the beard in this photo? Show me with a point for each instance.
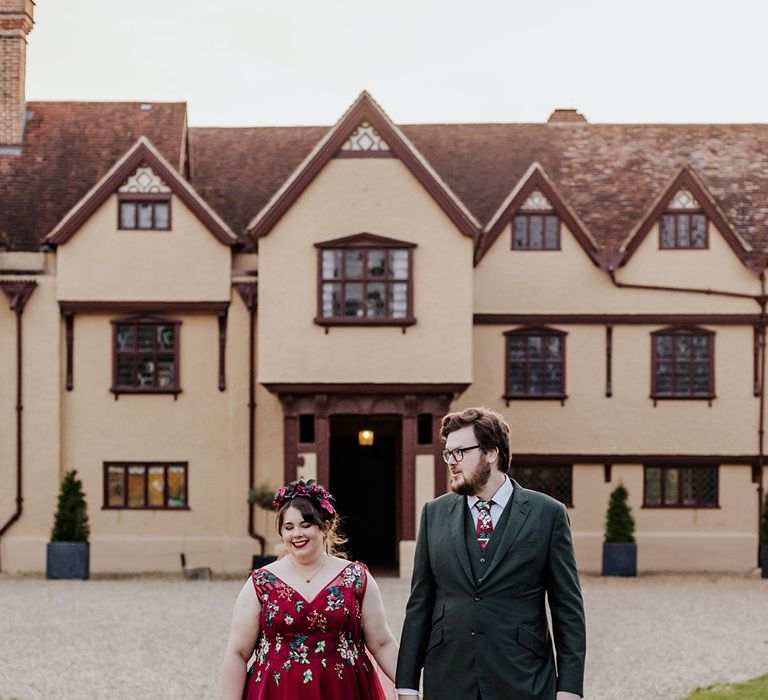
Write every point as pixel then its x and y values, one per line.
pixel 475 482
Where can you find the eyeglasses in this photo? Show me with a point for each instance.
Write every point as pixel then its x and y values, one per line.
pixel 457 454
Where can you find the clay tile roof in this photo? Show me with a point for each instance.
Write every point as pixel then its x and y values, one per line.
pixel 68 147
pixel 609 174
pixel 237 170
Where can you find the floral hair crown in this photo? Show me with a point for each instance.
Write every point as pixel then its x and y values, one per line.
pixel 307 489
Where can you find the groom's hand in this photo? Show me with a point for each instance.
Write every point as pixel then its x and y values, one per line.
pixel 565 695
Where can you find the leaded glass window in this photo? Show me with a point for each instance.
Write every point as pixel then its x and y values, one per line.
pixel 682 364
pixel 146 355
pixel 683 230
pixel 145 485
pixel 555 481
pixel 535 364
pixel 151 215
pixel 536 231
pixel 365 284
pixel 681 486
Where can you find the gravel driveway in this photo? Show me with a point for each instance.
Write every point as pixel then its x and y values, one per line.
pixel 654 637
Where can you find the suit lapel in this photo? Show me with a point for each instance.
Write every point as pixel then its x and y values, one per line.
pixel 456 530
pixel 518 512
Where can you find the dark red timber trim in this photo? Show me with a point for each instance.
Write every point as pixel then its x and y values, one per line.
pixel 687 179
pixel 249 293
pixel 222 316
pixel 18 293
pixel 537 180
pixel 609 361
pixel 142 154
pixel 407 400
pixel 619 319
pixel 69 330
pixel 203 307
pixel 363 109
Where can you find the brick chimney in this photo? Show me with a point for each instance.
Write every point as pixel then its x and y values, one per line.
pixel 15 23
pixel 561 115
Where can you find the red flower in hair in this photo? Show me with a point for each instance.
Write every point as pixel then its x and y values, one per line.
pixel 306 489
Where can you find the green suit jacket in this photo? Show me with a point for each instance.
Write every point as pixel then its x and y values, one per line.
pixel 491 636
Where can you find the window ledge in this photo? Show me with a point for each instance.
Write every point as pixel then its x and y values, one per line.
pixel 118 390
pixel 549 397
pixel 680 507
pixel 352 321
pixel 709 398
pixel 163 509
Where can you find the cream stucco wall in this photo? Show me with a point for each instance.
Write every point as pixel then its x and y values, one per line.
pixel 379 196
pixel 567 281
pixel 103 263
pixel 628 422
pixel 40 421
pixel 669 539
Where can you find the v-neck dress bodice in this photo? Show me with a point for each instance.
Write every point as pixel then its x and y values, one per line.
pixel 314 649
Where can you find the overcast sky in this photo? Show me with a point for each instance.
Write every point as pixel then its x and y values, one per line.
pixel 251 62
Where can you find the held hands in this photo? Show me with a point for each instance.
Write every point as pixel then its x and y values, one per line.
pixel 565 695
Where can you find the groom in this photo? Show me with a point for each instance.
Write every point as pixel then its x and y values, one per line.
pixel 486 557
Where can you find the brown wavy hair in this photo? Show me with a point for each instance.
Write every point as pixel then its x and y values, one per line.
pixel 491 430
pixel 328 523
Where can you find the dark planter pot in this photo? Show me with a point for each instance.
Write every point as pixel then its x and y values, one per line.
pixel 764 560
pixel 259 560
pixel 67 560
pixel 619 558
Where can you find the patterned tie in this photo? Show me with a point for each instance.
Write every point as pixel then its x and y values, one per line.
pixel 484 523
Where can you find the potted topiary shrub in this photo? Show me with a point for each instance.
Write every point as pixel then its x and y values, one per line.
pixel 764 538
pixel 68 553
pixel 619 548
pixel 262 495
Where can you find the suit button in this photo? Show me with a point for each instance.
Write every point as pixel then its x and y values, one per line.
pixel 480 580
pixel 477 598
pixel 473 634
pixel 482 560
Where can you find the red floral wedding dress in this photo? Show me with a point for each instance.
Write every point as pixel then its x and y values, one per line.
pixel 312 650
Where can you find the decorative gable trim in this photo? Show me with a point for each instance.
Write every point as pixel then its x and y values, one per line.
pixel 525 194
pixel 142 155
pixel 144 180
pixel 365 142
pixel 365 240
pixel 684 185
pixel 364 109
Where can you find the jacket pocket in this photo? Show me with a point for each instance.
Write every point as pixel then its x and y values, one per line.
pixel 435 638
pixel 531 642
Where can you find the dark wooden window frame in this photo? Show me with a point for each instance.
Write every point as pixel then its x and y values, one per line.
pixel 687 331
pixel 540 331
pixel 175 388
pixel 679 214
pixel 698 469
pixel 365 243
pixel 527 215
pixel 137 198
pixel 550 471
pixel 125 465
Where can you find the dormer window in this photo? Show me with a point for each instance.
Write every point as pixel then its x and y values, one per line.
pixel 365 280
pixel 144 202
pixel 536 226
pixel 683 225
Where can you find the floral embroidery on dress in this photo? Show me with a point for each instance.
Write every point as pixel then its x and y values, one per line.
pixel 262 650
pixel 288 618
pixel 339 669
pixel 317 621
pixel 352 577
pixel 347 648
pixel 299 605
pixel 271 611
pixel 283 590
pixel 308 675
pixel 299 650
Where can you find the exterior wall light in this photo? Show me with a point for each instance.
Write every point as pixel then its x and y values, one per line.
pixel 365 437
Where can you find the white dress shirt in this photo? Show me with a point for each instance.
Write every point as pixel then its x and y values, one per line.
pixel 500 500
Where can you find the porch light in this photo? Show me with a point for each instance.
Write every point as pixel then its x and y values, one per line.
pixel 365 437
